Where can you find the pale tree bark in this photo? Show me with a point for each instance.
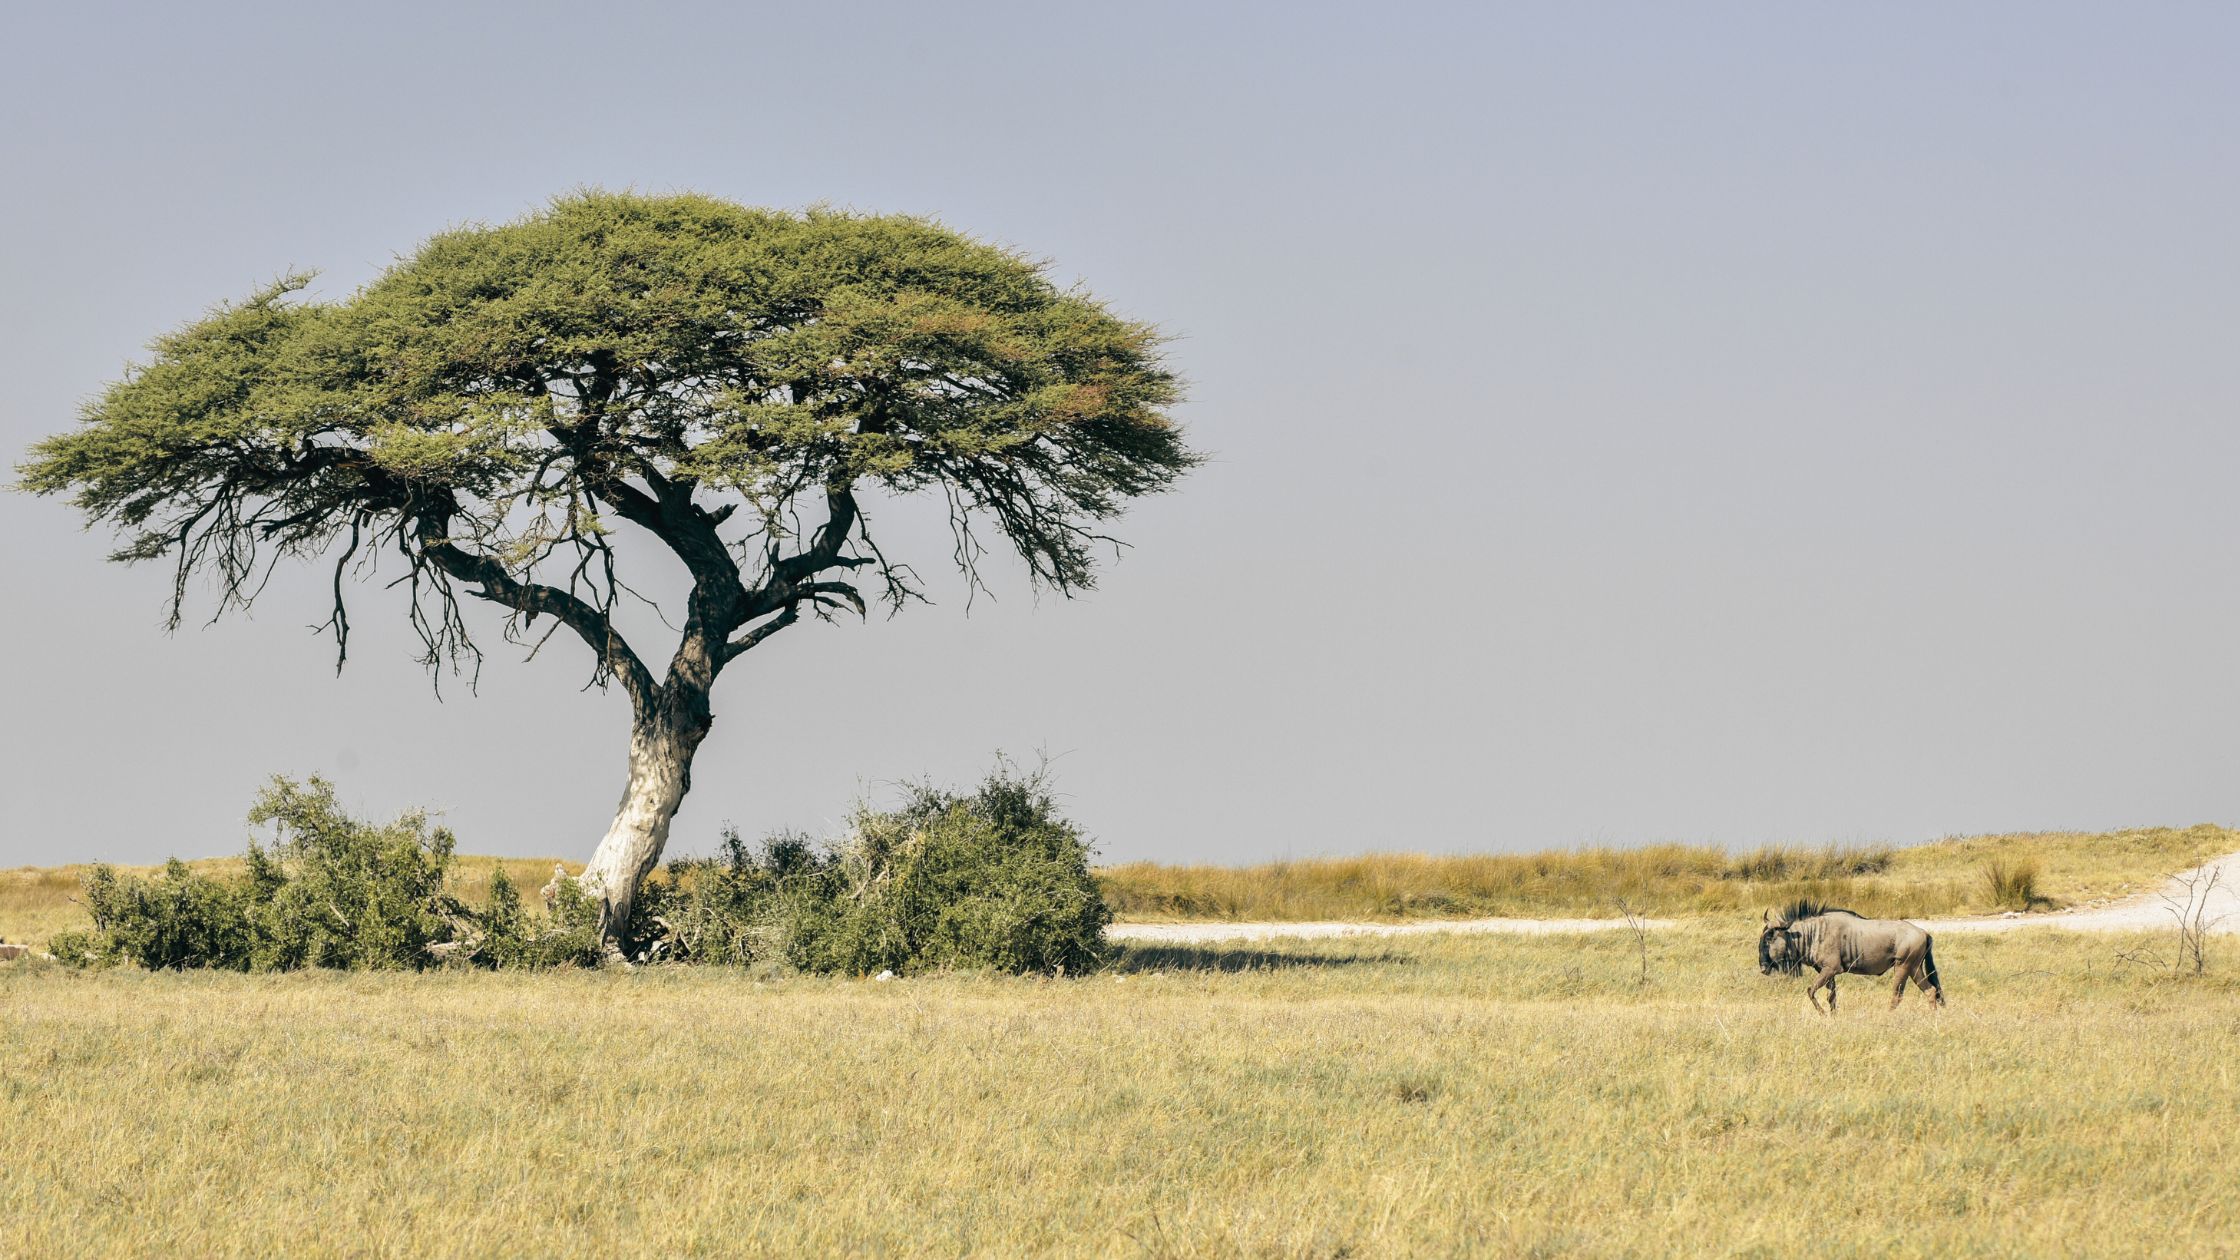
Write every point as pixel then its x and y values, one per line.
pixel 668 724
pixel 660 775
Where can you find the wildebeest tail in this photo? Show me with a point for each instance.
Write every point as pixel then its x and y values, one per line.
pixel 1929 966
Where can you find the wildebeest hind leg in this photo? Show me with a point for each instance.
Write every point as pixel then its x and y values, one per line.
pixel 1898 994
pixel 1931 987
pixel 1925 976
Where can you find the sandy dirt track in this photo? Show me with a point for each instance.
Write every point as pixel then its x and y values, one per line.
pixel 2218 904
pixel 2145 912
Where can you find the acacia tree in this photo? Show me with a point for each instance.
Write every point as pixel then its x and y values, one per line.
pixel 494 411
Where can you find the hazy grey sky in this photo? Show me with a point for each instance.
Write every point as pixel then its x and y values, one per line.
pixel 1706 422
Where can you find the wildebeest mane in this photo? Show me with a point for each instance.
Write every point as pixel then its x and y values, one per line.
pixel 1806 907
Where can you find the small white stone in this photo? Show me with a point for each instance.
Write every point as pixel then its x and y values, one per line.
pixel 884 975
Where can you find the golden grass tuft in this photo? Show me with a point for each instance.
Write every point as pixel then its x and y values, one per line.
pixel 2012 884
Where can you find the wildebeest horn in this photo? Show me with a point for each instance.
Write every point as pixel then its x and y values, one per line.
pixel 1765 917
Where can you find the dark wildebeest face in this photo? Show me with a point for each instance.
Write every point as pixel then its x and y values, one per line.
pixel 1778 951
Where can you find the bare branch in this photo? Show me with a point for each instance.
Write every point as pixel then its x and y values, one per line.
pixel 739 647
pixel 531 599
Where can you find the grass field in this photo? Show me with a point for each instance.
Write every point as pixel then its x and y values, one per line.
pixel 1442 1096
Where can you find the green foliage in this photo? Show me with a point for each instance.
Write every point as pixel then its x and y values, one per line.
pixel 737 907
pixel 343 893
pixel 505 925
pixel 568 935
pixel 491 398
pixel 332 892
pixel 993 880
pixel 997 879
pixel 178 919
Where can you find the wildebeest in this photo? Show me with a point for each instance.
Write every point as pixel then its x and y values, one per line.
pixel 1833 942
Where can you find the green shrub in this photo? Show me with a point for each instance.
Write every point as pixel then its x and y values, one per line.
pixel 505 926
pixel 178 919
pixel 331 892
pixel 336 892
pixel 79 947
pixel 734 908
pixel 567 935
pixel 996 879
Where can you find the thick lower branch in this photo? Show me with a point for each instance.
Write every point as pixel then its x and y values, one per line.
pixel 532 599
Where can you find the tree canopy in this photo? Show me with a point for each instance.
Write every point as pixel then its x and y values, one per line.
pixel 495 406
pixel 494 410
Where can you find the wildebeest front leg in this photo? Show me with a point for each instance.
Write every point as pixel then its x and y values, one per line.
pixel 1812 991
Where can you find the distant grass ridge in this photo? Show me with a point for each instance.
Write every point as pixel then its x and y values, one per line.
pixel 1951 876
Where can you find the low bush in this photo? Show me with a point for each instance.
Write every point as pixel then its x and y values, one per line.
pixel 508 935
pixel 735 908
pixel 992 879
pixel 330 892
pixel 986 879
pixel 337 892
pixel 178 919
pixel 996 879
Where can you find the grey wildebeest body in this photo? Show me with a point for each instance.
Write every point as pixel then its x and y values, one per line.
pixel 1831 943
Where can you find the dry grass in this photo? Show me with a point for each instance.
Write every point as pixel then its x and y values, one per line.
pixel 1445 1096
pixel 1941 878
pixel 2012 885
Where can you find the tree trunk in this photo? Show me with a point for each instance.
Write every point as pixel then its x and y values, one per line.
pixel 661 749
